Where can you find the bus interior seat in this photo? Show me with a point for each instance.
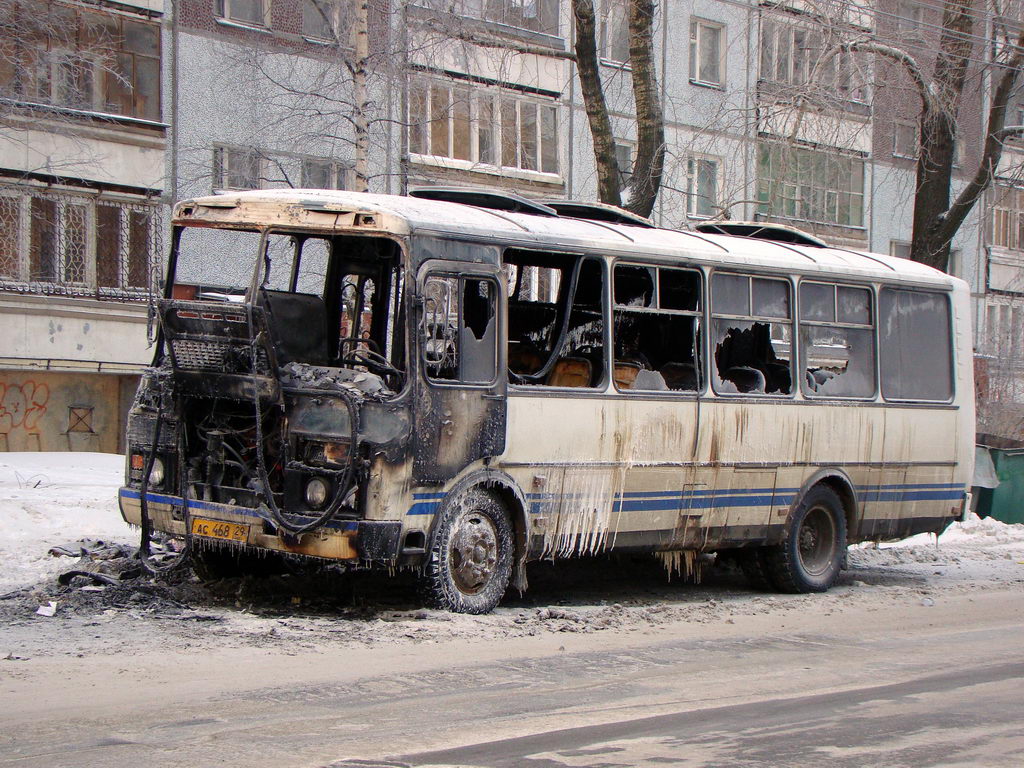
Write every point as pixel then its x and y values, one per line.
pixel 745 378
pixel 523 357
pixel 298 326
pixel 625 373
pixel 680 376
pixel 570 372
pixel 778 378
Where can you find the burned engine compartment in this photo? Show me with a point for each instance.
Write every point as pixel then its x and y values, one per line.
pixel 276 397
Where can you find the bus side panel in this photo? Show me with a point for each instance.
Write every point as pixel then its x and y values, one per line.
pixel 561 452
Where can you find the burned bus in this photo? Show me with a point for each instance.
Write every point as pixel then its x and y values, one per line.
pixel 461 382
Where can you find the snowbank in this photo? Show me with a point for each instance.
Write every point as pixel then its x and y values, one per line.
pixel 48 499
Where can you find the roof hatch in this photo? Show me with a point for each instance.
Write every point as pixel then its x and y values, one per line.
pixel 778 233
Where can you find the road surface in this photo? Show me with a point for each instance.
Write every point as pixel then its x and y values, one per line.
pixel 903 675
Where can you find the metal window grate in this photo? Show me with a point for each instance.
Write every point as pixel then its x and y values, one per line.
pixel 217 357
pixel 65 243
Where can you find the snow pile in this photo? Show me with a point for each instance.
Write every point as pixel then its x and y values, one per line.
pixel 976 537
pixel 48 499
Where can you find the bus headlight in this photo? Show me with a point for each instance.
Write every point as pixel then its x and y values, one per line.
pixel 316 492
pixel 156 473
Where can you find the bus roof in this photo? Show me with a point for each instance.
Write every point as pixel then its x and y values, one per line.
pixel 399 215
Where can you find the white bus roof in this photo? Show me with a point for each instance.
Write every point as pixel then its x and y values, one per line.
pixel 401 215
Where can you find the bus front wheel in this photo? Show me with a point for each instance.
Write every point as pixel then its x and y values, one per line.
pixel 810 557
pixel 469 561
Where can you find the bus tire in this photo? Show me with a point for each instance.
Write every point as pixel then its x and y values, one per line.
pixel 810 557
pixel 469 561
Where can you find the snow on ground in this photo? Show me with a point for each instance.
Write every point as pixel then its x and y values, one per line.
pixel 48 499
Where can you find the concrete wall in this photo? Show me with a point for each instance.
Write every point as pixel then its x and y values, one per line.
pixel 36 411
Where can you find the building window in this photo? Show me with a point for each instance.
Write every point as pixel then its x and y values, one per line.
pixel 909 17
pixel 613 31
pixel 235 168
pixel 624 159
pixel 325 174
pixel 86 60
pixel 325 20
pixel 66 243
pixel 706 52
pixel 482 126
pixel 795 55
pixel 899 249
pixel 1008 218
pixel 904 139
pixel 243 11
pixel 535 15
pixel 701 187
pixel 804 184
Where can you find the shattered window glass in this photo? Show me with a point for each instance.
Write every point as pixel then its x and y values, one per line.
pixel 556 320
pixel 459 329
pixel 837 341
pixel 915 345
pixel 279 264
pixel 657 328
pixel 751 335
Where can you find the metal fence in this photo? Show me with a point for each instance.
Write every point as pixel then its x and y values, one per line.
pixel 61 242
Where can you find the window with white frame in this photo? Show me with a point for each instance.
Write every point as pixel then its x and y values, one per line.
pixel 613 31
pixel 904 139
pixel 77 243
pixel 899 249
pixel 326 20
pixel 482 126
pixel 707 63
pixel 810 185
pixel 702 187
pixel 318 173
pixel 236 168
pixel 797 55
pixel 244 11
pixel 1008 217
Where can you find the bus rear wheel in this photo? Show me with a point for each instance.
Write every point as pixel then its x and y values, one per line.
pixel 469 561
pixel 811 556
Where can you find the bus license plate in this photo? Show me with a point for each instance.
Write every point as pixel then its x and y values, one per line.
pixel 214 529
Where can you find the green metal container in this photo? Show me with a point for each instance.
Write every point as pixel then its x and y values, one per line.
pixel 1005 502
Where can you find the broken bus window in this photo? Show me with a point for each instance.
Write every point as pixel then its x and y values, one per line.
pixel 657 326
pixel 751 334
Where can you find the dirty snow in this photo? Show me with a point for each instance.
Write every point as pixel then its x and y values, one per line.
pixel 48 499
pixel 52 499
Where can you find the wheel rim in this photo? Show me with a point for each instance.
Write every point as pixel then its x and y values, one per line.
pixel 816 541
pixel 473 552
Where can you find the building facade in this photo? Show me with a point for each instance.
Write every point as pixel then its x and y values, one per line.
pixel 114 110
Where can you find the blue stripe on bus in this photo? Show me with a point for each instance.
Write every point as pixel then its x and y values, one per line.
pixel 214 507
pixel 723 498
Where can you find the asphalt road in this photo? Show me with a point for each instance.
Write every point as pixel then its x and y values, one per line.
pixel 913 683
pixel 972 716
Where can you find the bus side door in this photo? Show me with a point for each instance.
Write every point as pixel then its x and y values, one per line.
pixel 461 388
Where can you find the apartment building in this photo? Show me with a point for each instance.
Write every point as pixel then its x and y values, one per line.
pixel 114 110
pixel 82 142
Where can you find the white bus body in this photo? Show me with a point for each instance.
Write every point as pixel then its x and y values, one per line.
pixel 542 386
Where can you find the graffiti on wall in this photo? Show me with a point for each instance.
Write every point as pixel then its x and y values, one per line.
pixel 22 405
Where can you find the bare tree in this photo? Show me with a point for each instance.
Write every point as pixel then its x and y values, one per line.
pixel 937 215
